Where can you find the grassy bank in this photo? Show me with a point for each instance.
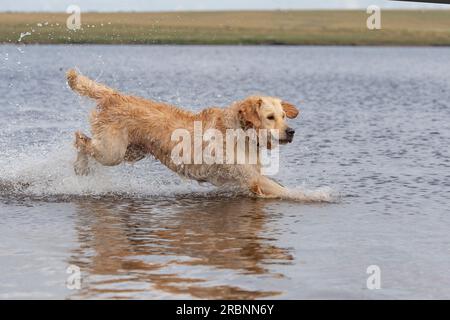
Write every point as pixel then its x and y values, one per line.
pixel 247 27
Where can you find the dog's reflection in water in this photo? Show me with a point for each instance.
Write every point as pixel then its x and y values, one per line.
pixel 191 248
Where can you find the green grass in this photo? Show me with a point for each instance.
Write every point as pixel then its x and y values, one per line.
pixel 228 27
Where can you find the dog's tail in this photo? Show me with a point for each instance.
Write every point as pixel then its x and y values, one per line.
pixel 87 87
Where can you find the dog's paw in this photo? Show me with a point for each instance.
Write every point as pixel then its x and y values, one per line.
pixel 81 170
pixel 80 140
pixel 81 166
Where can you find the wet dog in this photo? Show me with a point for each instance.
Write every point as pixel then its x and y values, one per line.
pixel 126 128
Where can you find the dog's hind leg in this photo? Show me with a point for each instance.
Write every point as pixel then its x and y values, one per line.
pixel 107 148
pixel 82 144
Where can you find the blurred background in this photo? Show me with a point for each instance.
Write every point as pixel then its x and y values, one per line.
pixel 305 22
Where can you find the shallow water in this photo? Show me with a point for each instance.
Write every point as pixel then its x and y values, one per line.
pixel 373 136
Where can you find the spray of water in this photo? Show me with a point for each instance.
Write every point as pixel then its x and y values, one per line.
pixel 42 171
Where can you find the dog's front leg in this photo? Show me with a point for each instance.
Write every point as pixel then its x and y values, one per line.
pixel 267 188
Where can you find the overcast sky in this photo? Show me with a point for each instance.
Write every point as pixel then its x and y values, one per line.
pixel 166 5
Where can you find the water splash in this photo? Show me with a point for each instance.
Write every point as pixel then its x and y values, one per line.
pixel 39 172
pixel 47 171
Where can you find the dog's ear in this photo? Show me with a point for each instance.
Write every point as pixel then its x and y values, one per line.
pixel 248 113
pixel 291 110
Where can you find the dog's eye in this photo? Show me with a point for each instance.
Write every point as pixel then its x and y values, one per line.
pixel 271 117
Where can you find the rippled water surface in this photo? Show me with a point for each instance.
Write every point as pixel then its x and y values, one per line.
pixel 374 135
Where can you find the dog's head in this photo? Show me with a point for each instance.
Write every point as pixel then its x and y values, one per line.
pixel 268 113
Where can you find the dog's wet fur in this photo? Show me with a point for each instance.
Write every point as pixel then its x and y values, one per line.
pixel 126 128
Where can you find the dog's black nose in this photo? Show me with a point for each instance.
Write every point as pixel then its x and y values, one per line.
pixel 290 132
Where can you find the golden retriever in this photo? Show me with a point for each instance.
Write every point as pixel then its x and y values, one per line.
pixel 127 128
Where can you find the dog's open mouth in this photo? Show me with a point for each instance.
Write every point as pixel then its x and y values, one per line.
pixel 285 141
